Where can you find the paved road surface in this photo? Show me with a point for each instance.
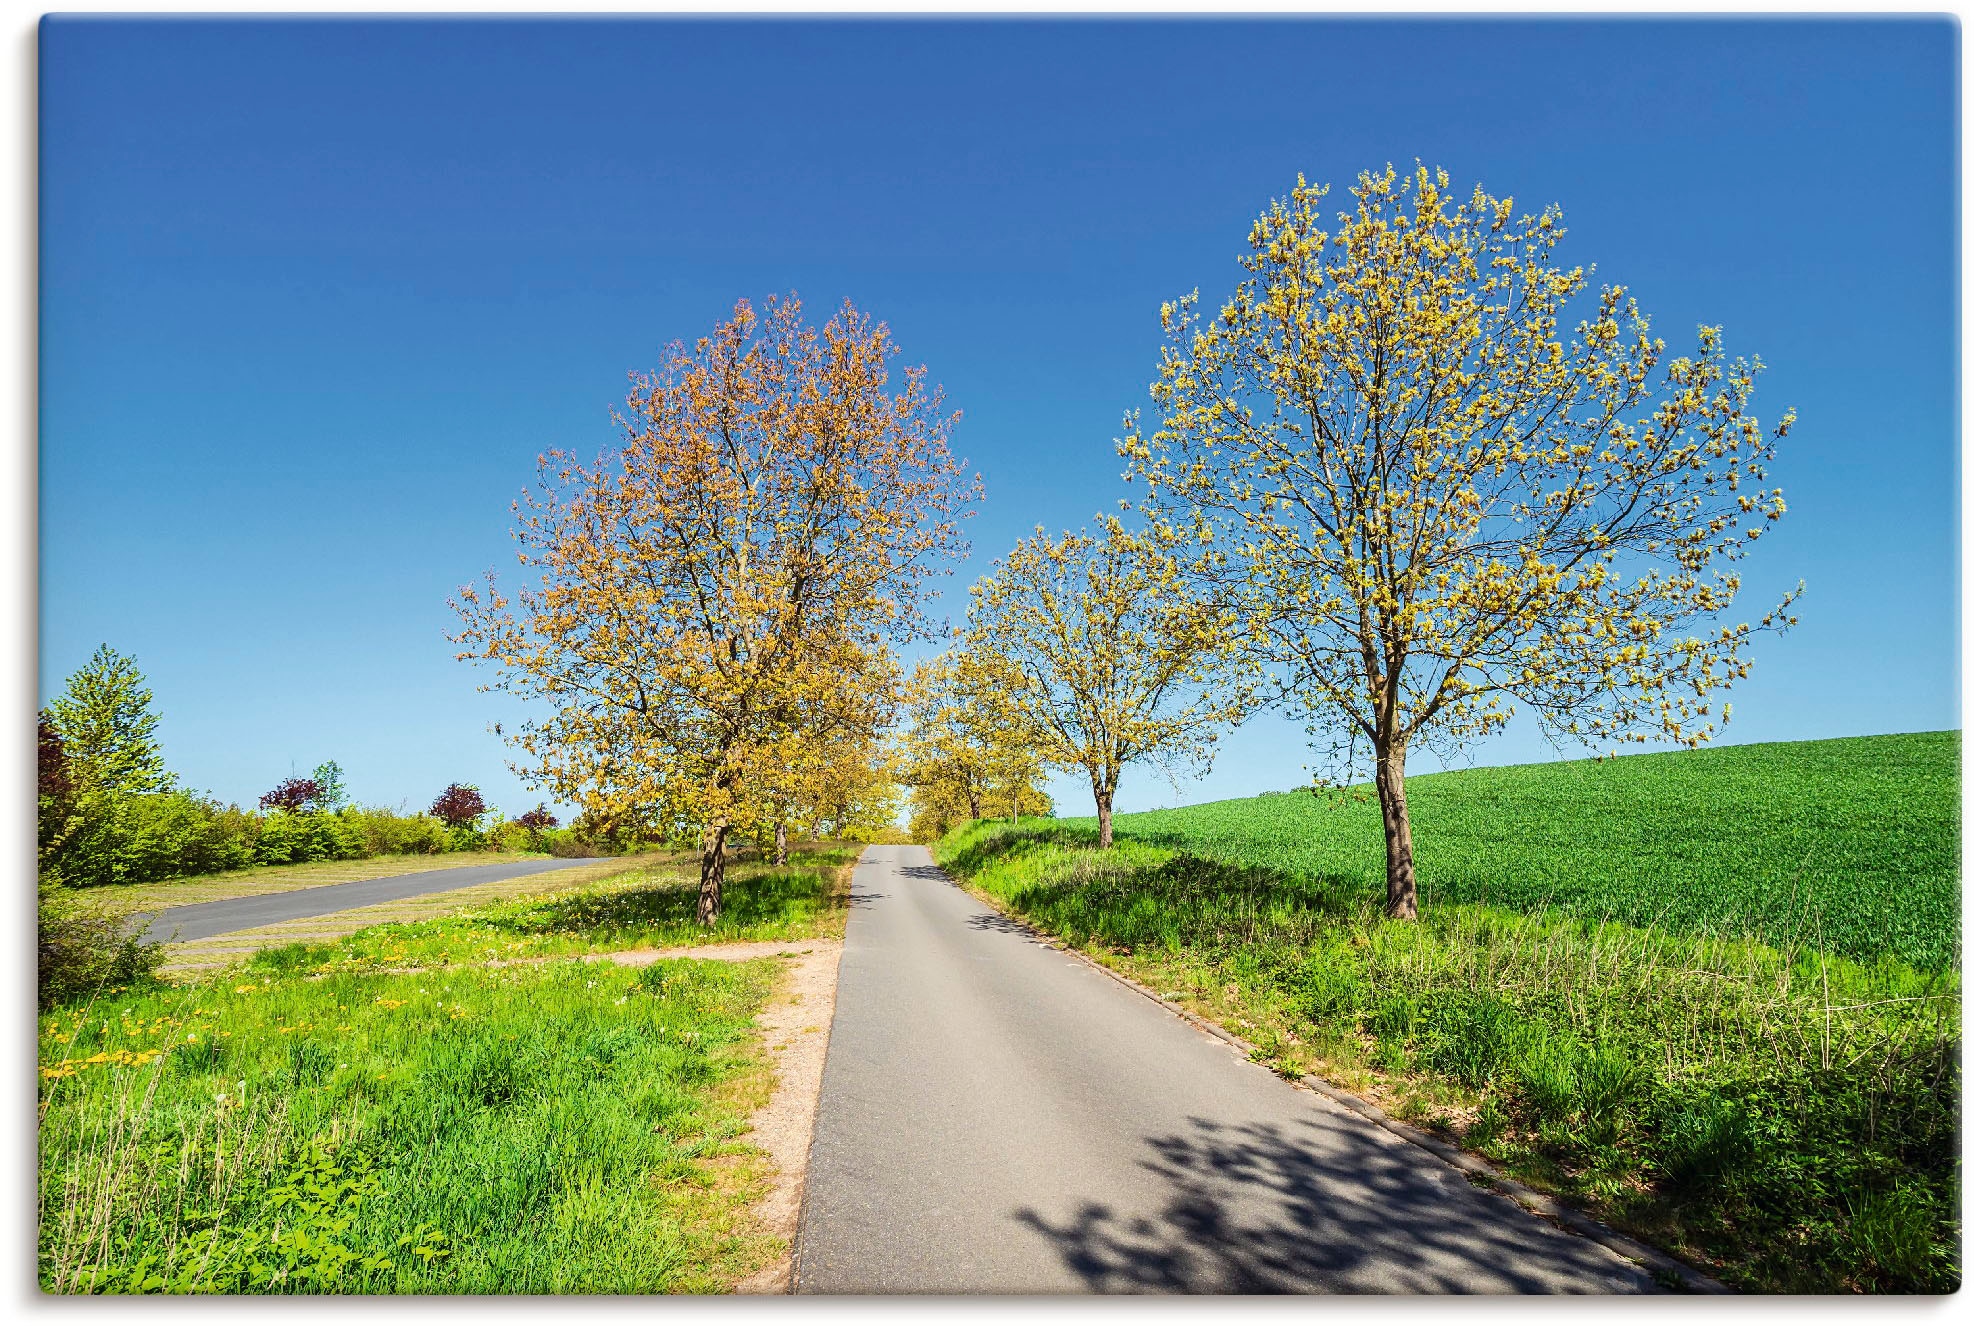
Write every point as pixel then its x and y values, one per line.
pixel 997 1117
pixel 202 920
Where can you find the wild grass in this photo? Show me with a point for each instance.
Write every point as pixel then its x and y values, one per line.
pixel 560 1128
pixel 650 907
pixel 1783 1114
pixel 1851 846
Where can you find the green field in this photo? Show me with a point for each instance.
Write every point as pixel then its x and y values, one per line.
pixel 1712 997
pixel 1852 845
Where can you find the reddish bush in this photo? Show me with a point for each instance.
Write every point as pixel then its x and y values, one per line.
pixel 459 805
pixel 292 794
pixel 537 820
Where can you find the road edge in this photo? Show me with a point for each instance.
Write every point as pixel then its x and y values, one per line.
pixel 1529 1199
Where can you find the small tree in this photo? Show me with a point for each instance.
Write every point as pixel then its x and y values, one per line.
pixel 293 795
pixel 958 746
pixel 1103 657
pixel 328 779
pixel 55 800
pixel 539 820
pixel 107 727
pixel 459 806
pixel 1435 506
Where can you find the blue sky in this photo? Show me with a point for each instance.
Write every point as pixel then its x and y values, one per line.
pixel 315 294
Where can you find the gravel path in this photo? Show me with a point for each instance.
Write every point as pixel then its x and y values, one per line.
pixel 998 1117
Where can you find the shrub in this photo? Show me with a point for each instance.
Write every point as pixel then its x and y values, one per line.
pixel 292 795
pixel 286 838
pixel 386 832
pixel 83 947
pixel 459 806
pixel 178 833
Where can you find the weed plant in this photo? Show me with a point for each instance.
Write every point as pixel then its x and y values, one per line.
pixel 560 1128
pixel 1784 1114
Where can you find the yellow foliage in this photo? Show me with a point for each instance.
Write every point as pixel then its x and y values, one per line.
pixel 1433 504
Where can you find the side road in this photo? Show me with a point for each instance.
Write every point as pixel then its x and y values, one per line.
pixel 999 1117
pixel 202 920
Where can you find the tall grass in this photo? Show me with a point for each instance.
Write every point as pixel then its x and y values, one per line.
pixel 1784 1113
pixel 564 1128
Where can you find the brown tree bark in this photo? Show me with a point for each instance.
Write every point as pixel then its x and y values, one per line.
pixel 712 873
pixel 972 804
pixel 781 843
pixel 1401 886
pixel 1103 819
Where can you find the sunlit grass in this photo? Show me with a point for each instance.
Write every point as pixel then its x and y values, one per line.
pixel 561 1128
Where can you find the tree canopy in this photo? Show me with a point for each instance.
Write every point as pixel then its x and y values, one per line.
pixel 1434 505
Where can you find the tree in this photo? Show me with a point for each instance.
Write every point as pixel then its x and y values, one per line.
pixel 1103 657
pixel 108 729
pixel 963 755
pixel 293 795
pixel 55 800
pixel 328 780
pixel 539 820
pixel 458 806
pixel 1434 506
pixel 774 501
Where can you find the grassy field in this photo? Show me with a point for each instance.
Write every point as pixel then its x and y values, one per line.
pixel 398 1115
pixel 1783 1113
pixel 1851 845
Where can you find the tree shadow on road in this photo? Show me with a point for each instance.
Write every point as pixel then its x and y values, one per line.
pixel 1323 1206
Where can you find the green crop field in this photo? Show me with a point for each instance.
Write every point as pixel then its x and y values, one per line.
pixel 1851 846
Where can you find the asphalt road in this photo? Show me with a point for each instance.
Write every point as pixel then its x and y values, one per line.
pixel 202 920
pixel 997 1117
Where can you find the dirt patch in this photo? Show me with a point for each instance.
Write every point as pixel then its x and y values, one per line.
pixel 795 1030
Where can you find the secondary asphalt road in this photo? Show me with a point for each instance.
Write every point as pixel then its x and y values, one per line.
pixel 202 920
pixel 997 1117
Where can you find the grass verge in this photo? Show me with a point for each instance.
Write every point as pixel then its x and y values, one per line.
pixel 555 1129
pixel 1784 1116
pixel 652 906
pixel 401 1113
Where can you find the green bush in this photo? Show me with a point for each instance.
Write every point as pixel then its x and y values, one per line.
pixel 84 947
pixel 289 838
pixel 385 832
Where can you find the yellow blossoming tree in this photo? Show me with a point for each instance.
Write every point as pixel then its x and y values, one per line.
pixel 1436 505
pixel 1103 656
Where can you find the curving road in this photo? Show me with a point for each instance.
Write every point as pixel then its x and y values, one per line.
pixel 203 920
pixel 997 1117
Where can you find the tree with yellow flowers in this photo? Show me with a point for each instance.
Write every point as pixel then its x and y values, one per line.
pixel 773 510
pixel 824 765
pixel 1104 656
pixel 963 756
pixel 1434 505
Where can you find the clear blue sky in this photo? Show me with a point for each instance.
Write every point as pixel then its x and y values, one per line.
pixel 314 294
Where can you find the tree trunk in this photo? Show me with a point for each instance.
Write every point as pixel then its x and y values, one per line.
pixel 712 873
pixel 781 843
pixel 1401 886
pixel 1103 817
pixel 972 804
